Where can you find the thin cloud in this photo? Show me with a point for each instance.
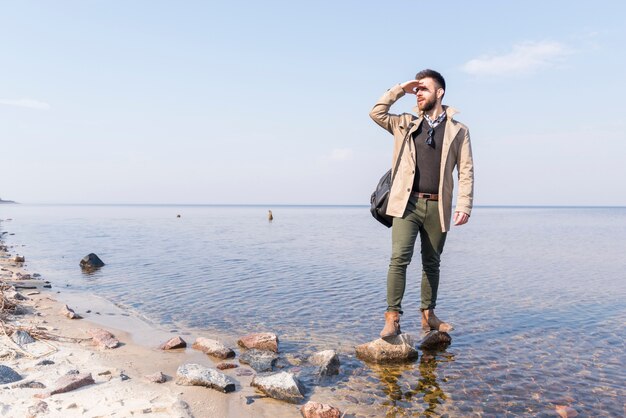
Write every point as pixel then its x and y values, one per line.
pixel 27 103
pixel 341 154
pixel 526 57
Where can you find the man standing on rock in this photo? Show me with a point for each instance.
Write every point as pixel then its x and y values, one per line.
pixel 421 194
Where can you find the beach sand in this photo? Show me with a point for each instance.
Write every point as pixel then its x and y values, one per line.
pixel 112 395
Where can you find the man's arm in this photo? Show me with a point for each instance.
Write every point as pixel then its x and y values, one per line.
pixel 465 167
pixel 380 112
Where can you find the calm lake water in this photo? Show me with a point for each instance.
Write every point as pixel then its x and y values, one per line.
pixel 537 295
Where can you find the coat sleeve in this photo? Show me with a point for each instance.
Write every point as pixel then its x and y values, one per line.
pixel 465 167
pixel 380 112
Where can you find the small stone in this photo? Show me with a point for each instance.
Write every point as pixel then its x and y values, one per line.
pixel 398 349
pixel 19 259
pixel 73 372
pixel 17 296
pixel 282 386
pixel 157 377
pixel 124 377
pixel 319 410
pixel 69 312
pixel 435 340
pixel 105 373
pixel 90 262
pixel 260 341
pixel 225 366
pixel 244 372
pixel 22 337
pixel 72 382
pixel 8 375
pixel 29 385
pixel 103 338
pixel 40 408
pixel 72 406
pixel 213 348
pixel 327 360
pixel 197 375
pixel 259 360
pixel 173 343
pixel 45 363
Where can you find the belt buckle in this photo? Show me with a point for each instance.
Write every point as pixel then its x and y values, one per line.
pixel 426 195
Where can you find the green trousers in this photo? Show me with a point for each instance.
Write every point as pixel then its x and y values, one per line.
pixel 421 217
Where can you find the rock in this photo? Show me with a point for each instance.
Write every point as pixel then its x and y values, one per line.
pixel 157 377
pixel 282 386
pixel 22 337
pixel 29 385
pixel 319 410
pixel 259 360
pixel 39 409
pixel 566 411
pixel 124 377
pixel 225 366
pixel 19 259
pixel 45 363
pixel 103 338
pixel 393 350
pixel 69 312
pixel 435 340
pixel 328 362
pixel 196 375
pixel 260 341
pixel 173 343
pixel 8 375
pixel 16 296
pixel 213 348
pixel 90 262
pixel 244 372
pixel 68 383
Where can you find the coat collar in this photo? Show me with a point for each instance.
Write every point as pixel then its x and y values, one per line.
pixel 450 111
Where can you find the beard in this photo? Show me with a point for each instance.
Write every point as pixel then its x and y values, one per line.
pixel 427 105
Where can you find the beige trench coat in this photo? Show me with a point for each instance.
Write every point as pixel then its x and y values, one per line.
pixel 456 152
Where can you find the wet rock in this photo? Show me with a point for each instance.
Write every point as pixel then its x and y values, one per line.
pixel 225 366
pixel 29 385
pixel 282 386
pixel 435 340
pixel 213 348
pixel 319 410
pixel 39 409
pixel 259 360
pixel 157 377
pixel 393 350
pixel 103 338
pixel 22 337
pixel 197 375
pixel 8 375
pixel 19 259
pixel 173 343
pixel 244 372
pixel 68 383
pixel 260 341
pixel 327 360
pixel 91 262
pixel 69 312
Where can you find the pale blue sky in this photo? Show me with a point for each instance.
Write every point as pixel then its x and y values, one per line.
pixel 267 102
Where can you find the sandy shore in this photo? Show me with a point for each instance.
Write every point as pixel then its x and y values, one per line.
pixel 120 389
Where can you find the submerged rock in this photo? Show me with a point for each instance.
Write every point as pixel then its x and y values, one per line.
pixel 435 340
pixel 282 386
pixel 259 360
pixel 196 375
pixel 103 338
pixel 398 349
pixel 328 362
pixel 173 343
pixel 8 375
pixel 225 366
pixel 319 410
pixel 90 262
pixel 260 341
pixel 213 348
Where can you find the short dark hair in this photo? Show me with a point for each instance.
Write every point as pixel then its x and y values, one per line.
pixel 427 73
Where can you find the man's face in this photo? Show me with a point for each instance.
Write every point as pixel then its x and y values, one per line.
pixel 428 92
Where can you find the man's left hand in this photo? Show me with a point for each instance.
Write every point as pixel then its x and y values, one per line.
pixel 460 218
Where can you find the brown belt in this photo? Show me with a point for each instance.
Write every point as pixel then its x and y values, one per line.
pixel 427 196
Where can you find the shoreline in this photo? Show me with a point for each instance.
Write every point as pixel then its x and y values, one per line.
pixel 137 357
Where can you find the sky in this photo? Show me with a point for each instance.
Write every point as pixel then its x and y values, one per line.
pixel 249 102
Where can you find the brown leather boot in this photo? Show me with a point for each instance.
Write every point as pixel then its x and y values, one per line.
pixel 392 325
pixel 430 321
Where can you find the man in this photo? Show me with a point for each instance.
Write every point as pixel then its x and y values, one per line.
pixel 420 199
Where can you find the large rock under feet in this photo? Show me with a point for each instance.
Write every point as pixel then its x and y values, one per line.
pixel 196 375
pixel 398 349
pixel 282 386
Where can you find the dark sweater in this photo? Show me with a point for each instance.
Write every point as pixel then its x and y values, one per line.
pixel 428 158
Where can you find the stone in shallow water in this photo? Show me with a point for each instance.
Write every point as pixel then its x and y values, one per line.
pixel 319 410
pixel 91 261
pixel 8 375
pixel 103 338
pixel 173 343
pixel 259 360
pixel 328 362
pixel 282 386
pixel 435 340
pixel 260 341
pixel 213 348
pixel 196 375
pixel 225 366
pixel 393 350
